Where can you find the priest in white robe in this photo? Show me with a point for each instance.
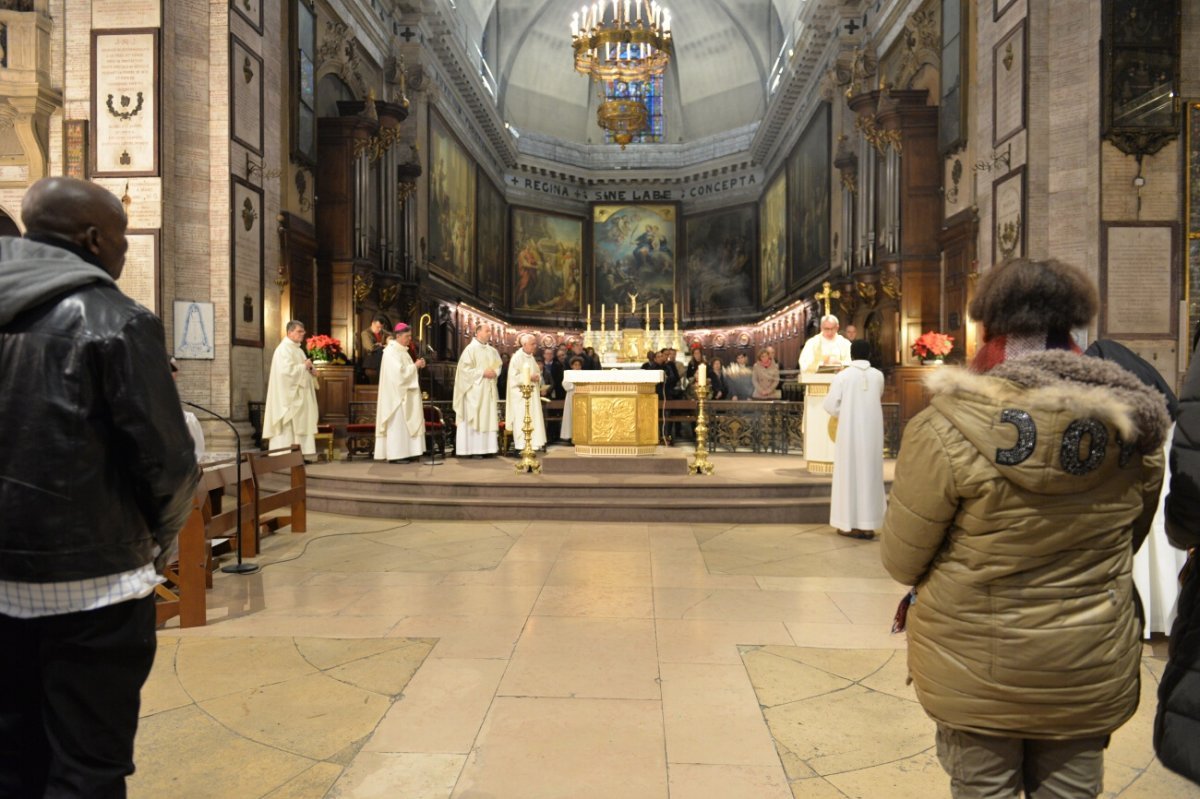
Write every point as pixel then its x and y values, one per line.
pixel 855 401
pixel 524 368
pixel 399 414
pixel 476 403
pixel 826 349
pixel 290 416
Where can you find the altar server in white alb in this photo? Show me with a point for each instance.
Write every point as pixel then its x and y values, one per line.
pixel 399 414
pixel 524 368
pixel 476 403
pixel 291 413
pixel 825 349
pixel 855 400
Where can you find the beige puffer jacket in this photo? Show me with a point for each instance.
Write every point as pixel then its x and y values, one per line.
pixel 1016 510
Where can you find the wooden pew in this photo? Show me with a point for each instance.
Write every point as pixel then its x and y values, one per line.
pixel 191 574
pixel 293 498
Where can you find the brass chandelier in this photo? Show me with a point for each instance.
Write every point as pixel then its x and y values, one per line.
pixel 621 42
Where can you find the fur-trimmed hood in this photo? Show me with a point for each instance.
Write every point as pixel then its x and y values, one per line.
pixel 1029 414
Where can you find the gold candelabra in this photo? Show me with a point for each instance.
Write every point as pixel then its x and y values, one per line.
pixel 700 464
pixel 529 462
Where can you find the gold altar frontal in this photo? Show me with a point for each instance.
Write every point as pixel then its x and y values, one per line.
pixel 615 419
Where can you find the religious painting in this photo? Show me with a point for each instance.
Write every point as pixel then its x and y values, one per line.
pixel 492 216
pixel 772 237
pixel 194 334
pixel 808 203
pixel 547 253
pixel 633 254
pixel 721 250
pixel 451 250
pixel 246 248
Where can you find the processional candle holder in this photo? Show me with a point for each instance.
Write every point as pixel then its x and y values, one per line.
pixel 700 463
pixel 529 462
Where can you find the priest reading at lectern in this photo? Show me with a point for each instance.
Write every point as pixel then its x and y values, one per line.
pixel 827 349
pixel 475 398
pixel 523 369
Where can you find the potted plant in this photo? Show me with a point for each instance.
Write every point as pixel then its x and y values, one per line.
pixel 932 348
pixel 324 349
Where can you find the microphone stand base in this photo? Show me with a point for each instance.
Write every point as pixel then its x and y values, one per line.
pixel 241 568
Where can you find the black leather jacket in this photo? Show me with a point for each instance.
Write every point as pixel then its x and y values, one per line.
pixel 96 466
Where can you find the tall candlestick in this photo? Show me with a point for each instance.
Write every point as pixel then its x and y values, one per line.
pixel 647 316
pixel 616 316
pixel 660 316
pixel 589 315
pixel 601 317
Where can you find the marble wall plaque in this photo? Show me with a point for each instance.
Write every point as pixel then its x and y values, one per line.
pixel 1138 291
pixel 247 264
pixel 1008 86
pixel 109 14
pixel 246 89
pixel 1008 216
pixel 142 198
pixel 125 103
pixel 139 278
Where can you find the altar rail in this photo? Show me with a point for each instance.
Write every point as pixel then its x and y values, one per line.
pixel 736 425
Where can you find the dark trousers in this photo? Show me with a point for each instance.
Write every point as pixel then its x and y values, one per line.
pixel 70 689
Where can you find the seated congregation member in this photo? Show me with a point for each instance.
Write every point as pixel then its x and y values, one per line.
pixel 567 415
pixel 855 400
pixel 739 379
pixel 476 402
pixel 1021 494
pixel 766 377
pixel 1177 723
pixel 695 361
pixel 521 369
pixel 716 379
pixel 399 413
pixel 590 352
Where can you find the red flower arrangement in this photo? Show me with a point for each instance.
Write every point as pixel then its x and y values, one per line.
pixel 932 345
pixel 324 348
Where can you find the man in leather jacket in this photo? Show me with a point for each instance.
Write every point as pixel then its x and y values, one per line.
pixel 97 475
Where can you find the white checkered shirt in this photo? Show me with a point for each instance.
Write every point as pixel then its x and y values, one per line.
pixel 33 600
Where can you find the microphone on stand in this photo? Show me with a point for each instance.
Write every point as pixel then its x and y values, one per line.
pixel 239 567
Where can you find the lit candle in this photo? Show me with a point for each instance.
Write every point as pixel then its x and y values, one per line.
pixel 702 375
pixel 660 316
pixel 647 316
pixel 589 316
pixel 639 9
pixel 626 20
pixel 601 317
pixel 525 378
pixel 616 316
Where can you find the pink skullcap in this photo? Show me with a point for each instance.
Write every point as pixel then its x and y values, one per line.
pixel 400 327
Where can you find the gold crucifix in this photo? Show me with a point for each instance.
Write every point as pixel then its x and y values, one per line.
pixel 826 295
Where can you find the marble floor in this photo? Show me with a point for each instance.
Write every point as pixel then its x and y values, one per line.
pixel 430 660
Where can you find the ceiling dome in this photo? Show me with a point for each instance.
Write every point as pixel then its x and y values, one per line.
pixel 724 50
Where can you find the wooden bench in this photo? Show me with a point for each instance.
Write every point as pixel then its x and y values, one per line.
pixel 191 574
pixel 293 498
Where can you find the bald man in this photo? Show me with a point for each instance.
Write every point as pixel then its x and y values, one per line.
pixel 97 474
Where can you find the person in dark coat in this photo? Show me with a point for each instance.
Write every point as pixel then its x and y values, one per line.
pixel 1177 723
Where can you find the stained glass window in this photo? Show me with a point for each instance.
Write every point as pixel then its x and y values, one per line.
pixel 650 93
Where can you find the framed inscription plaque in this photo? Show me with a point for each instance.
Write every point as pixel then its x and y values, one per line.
pixel 1008 216
pixel 1138 261
pixel 1008 86
pixel 139 278
pixel 246 263
pixel 125 103
pixel 251 11
pixel 246 96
